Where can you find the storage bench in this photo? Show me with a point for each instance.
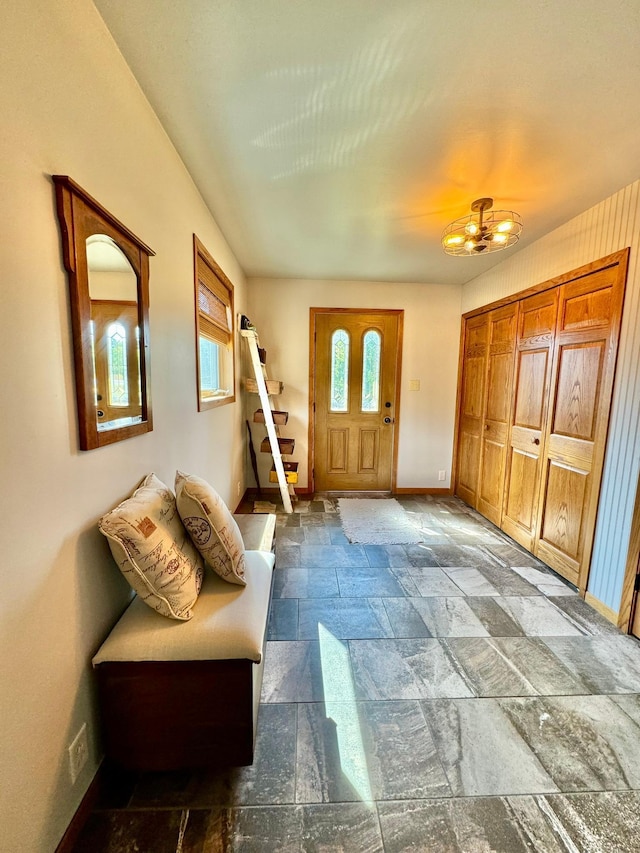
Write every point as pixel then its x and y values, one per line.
pixel 177 695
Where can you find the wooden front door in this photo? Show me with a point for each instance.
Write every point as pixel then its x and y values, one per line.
pixel 536 328
pixel 116 359
pixel 356 373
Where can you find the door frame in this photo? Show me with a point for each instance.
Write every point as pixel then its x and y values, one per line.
pixel 630 598
pixel 313 313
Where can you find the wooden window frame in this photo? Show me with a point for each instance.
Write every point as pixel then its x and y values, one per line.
pixel 208 274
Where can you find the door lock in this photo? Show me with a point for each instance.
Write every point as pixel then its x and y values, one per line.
pixel 388 420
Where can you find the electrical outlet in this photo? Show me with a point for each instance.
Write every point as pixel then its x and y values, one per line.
pixel 239 488
pixel 78 753
pixel 414 385
pixel 442 475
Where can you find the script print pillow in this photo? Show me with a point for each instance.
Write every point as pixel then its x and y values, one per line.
pixel 153 550
pixel 211 526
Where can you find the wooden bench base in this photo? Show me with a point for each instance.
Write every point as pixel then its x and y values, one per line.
pixel 173 715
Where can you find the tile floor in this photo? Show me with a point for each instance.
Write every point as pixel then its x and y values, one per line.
pixel 454 696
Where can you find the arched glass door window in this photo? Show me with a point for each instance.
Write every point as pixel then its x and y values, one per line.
pixel 339 371
pixel 117 364
pixel 371 349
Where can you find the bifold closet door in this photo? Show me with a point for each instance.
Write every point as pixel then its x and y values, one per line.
pixel 474 360
pixel 536 329
pixel 501 339
pixel 585 348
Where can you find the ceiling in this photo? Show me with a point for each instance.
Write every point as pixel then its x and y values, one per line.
pixel 336 138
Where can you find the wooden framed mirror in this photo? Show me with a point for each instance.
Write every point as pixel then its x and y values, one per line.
pixel 108 270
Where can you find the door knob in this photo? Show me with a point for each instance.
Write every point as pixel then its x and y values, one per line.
pixel 387 405
pixel 388 421
pixel 536 441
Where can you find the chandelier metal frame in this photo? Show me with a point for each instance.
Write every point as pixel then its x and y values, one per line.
pixel 483 231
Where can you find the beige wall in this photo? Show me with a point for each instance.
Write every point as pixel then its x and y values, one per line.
pixel 280 311
pixel 69 105
pixel 599 231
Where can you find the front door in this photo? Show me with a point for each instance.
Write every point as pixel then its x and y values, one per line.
pixel 356 366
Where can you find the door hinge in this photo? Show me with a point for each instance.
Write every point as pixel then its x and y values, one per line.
pixel 636 585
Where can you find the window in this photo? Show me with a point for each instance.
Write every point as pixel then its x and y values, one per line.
pixel 371 371
pixel 117 365
pixel 339 371
pixel 214 329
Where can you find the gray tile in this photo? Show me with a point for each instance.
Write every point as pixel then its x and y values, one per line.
pixel 466 825
pixel 512 666
pixel 340 828
pixel 630 704
pixel 262 829
pixel 336 535
pixel 316 535
pixel 316 506
pixel 537 617
pixel 540 578
pixel 433 581
pixel 292 672
pixel 493 617
pixel 125 831
pixel 332 556
pixel 586 743
pixel 283 619
pixel 420 555
pixel 470 735
pixel 606 664
pixel 449 617
pixel 404 577
pixel 287 555
pixel 405 620
pixel 312 520
pixel 471 581
pixel 583 615
pixel 462 555
pixel 345 618
pixel 365 582
pixel 405 669
pixel 507 582
pixel 603 822
pixel 365 751
pixel 512 555
pixel 305 583
pixel 387 556
pixel 289 536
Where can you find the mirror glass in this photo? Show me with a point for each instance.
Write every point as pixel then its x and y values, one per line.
pixel 108 274
pixel 115 334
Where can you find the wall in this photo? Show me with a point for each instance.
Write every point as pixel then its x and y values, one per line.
pixel 611 225
pixel 280 311
pixel 70 105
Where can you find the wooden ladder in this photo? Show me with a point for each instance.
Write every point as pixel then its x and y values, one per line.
pixel 284 473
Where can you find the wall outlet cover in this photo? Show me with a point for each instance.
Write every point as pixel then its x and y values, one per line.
pixel 78 753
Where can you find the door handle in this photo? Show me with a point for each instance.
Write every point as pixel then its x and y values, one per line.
pixel 536 440
pixel 388 420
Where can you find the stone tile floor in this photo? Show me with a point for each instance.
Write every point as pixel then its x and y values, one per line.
pixel 454 696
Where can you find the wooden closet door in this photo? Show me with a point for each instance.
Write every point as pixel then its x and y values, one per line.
pixel 536 328
pixel 585 349
pixel 471 407
pixel 501 336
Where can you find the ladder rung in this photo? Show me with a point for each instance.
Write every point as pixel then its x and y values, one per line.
pixel 286 445
pixel 279 418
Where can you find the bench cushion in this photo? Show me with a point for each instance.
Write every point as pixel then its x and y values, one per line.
pixel 229 622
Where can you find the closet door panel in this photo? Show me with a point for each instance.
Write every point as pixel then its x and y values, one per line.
pixel 583 366
pixel 497 411
pixel 471 408
pixel 536 327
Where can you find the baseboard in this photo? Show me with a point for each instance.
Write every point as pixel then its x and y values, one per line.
pixel 422 491
pixel 87 805
pixel 602 609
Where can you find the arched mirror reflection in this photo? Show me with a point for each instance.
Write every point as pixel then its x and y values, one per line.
pixel 108 268
pixel 115 334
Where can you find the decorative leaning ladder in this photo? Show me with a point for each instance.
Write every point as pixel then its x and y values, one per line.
pixel 273 443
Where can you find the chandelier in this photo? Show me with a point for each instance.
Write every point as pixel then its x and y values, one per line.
pixel 485 230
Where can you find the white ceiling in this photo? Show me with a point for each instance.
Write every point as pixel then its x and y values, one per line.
pixel 337 138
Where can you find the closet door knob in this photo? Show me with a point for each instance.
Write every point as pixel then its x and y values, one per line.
pixel 536 441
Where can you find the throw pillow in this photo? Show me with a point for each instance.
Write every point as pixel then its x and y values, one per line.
pixel 211 526
pixel 150 545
